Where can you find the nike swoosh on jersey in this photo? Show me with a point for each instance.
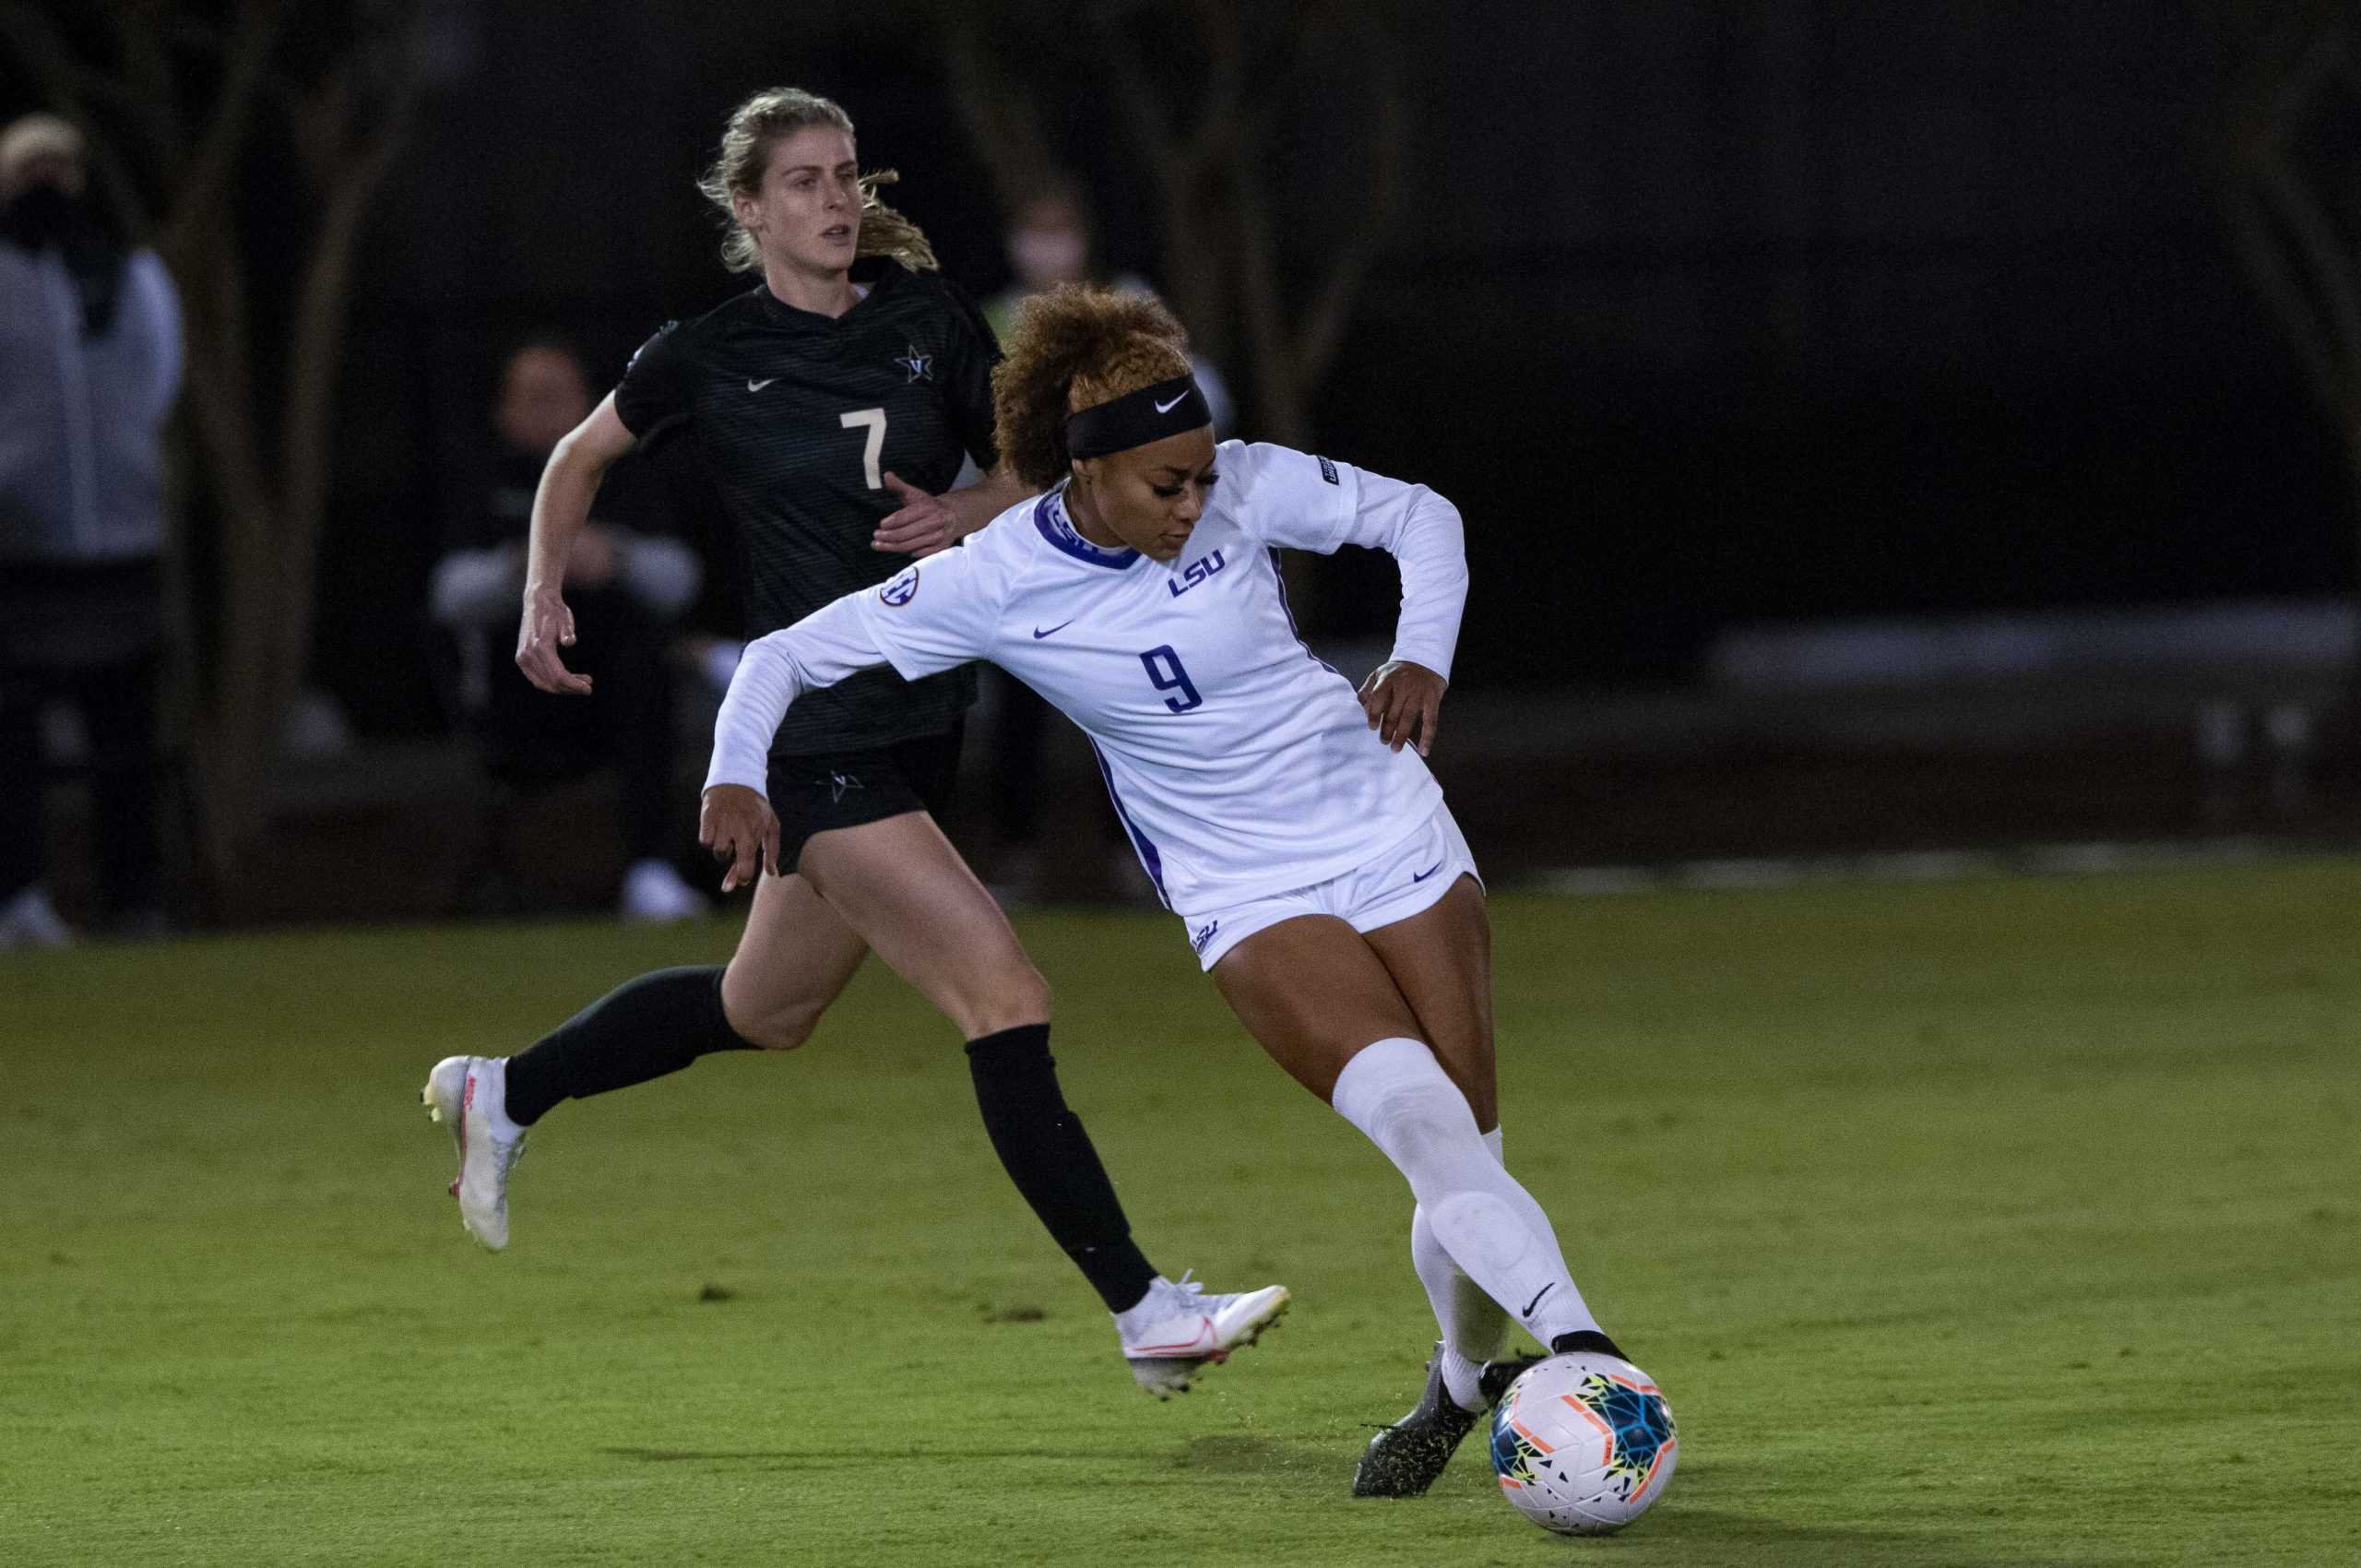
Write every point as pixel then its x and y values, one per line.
pixel 758 386
pixel 1039 634
pixel 1422 875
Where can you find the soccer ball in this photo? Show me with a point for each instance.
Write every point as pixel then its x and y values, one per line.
pixel 1582 1444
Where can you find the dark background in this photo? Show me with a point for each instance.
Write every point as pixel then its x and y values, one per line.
pixel 1713 319
pixel 1703 313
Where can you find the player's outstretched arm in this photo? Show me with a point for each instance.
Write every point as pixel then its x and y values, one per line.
pixel 1422 531
pixel 919 633
pixel 561 507
pixel 1300 502
pixel 827 645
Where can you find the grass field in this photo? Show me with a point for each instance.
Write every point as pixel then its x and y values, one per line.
pixel 1997 1223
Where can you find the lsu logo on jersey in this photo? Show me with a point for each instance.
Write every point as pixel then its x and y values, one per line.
pixel 902 590
pixel 1195 572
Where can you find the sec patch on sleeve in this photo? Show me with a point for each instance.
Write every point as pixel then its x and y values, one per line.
pixel 903 588
pixel 1328 471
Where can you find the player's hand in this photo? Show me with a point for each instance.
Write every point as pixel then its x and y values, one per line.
pixel 922 526
pixel 548 627
pixel 1403 700
pixel 736 823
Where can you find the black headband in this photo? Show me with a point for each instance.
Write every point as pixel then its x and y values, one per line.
pixel 1137 418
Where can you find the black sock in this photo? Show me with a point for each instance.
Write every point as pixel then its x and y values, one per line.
pixel 1046 1154
pixel 1588 1341
pixel 642 1030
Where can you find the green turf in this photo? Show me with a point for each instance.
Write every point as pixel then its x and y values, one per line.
pixel 1995 1223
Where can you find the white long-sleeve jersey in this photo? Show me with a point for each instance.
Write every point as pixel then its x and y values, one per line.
pixel 1240 764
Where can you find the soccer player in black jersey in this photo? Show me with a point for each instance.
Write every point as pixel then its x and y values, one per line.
pixel 829 403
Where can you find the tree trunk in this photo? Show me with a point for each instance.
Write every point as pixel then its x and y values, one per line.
pixel 265 464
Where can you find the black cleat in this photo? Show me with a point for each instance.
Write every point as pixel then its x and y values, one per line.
pixel 1494 1380
pixel 1403 1460
pixel 1590 1341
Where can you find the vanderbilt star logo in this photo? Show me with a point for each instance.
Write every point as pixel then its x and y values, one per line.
pixel 921 367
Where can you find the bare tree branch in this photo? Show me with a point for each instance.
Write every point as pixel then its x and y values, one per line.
pixel 1136 98
pixel 1326 322
pixel 1278 398
pixel 2300 259
pixel 1004 124
pixel 200 186
pixel 140 43
pixel 347 101
pixel 2288 188
pixel 2306 333
pixel 319 335
pixel 1222 105
pixel 2328 258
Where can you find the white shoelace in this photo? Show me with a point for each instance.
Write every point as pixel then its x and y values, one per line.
pixel 1188 1294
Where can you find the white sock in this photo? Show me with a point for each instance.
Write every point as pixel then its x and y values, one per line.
pixel 1473 1326
pixel 1396 1093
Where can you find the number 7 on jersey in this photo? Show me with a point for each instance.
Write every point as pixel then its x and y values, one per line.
pixel 873 448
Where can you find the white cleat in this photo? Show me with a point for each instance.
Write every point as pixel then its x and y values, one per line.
pixel 1182 1331
pixel 469 1095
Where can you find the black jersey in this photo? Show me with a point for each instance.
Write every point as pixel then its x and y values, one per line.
pixel 798 418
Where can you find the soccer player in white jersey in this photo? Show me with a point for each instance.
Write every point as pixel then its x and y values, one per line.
pixel 1323 883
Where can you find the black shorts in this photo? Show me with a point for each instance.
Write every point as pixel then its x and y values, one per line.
pixel 815 792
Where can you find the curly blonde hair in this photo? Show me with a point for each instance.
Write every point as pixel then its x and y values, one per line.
pixel 1074 347
pixel 757 126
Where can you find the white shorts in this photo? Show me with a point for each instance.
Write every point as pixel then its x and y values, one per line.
pixel 1409 879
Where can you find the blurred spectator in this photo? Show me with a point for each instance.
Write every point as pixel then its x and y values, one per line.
pixel 1049 242
pixel 627 590
pixel 89 364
